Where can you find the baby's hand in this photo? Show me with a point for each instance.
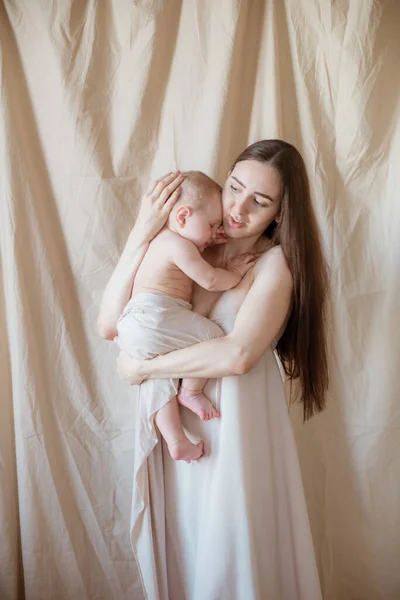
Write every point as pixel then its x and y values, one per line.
pixel 242 263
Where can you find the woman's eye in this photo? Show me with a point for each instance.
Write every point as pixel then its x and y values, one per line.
pixel 234 189
pixel 260 203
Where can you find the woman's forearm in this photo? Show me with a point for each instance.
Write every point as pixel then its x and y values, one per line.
pixel 119 287
pixel 220 357
pixel 155 208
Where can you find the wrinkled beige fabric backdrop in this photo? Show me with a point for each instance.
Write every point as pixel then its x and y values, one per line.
pixel 97 97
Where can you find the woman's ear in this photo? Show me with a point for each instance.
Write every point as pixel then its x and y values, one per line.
pixel 278 218
pixel 182 215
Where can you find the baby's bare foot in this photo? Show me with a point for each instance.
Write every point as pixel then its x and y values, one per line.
pixel 185 450
pixel 198 403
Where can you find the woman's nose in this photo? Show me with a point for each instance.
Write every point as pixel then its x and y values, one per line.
pixel 241 205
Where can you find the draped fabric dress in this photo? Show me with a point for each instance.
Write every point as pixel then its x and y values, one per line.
pixel 232 525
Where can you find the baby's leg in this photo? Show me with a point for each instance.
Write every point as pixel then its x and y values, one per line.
pixel 179 446
pixel 191 395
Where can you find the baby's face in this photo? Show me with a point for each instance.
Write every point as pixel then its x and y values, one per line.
pixel 201 227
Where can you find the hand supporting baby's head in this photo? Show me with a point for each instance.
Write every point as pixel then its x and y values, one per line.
pixel 198 212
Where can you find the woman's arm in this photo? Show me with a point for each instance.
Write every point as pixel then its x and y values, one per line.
pixel 154 210
pixel 260 319
pixel 119 287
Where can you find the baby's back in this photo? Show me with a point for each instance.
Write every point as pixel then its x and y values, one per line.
pixel 158 273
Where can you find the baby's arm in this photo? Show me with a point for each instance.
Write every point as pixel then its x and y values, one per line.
pixel 188 258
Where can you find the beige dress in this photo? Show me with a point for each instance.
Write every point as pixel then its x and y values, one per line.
pixel 233 525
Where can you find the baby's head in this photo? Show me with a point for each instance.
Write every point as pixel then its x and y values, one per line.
pixel 198 212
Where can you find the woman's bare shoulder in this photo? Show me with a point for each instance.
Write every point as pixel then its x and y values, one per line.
pixel 274 262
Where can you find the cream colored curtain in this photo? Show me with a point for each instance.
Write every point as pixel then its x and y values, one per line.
pixel 98 96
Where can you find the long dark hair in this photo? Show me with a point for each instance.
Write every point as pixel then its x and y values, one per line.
pixel 302 347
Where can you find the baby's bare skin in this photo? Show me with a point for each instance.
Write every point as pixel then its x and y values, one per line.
pixel 158 273
pixel 172 263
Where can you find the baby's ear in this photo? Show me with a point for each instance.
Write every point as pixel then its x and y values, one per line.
pixel 182 215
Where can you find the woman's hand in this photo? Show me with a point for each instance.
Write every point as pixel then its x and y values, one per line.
pixel 129 368
pixel 156 205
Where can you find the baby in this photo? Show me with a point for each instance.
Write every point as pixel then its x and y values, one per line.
pixel 158 318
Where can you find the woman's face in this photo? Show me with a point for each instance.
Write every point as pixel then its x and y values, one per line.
pixel 251 198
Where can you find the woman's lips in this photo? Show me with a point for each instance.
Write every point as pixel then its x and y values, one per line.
pixel 234 224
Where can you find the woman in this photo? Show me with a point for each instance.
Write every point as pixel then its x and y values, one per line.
pixel 235 526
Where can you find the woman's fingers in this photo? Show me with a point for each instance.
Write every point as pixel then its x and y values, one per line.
pixel 154 183
pixel 169 189
pixel 169 204
pixel 250 257
pixel 166 186
pixel 122 359
pixel 127 368
pixel 158 183
pixel 162 189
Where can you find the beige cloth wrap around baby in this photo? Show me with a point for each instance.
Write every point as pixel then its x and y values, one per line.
pixel 150 325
